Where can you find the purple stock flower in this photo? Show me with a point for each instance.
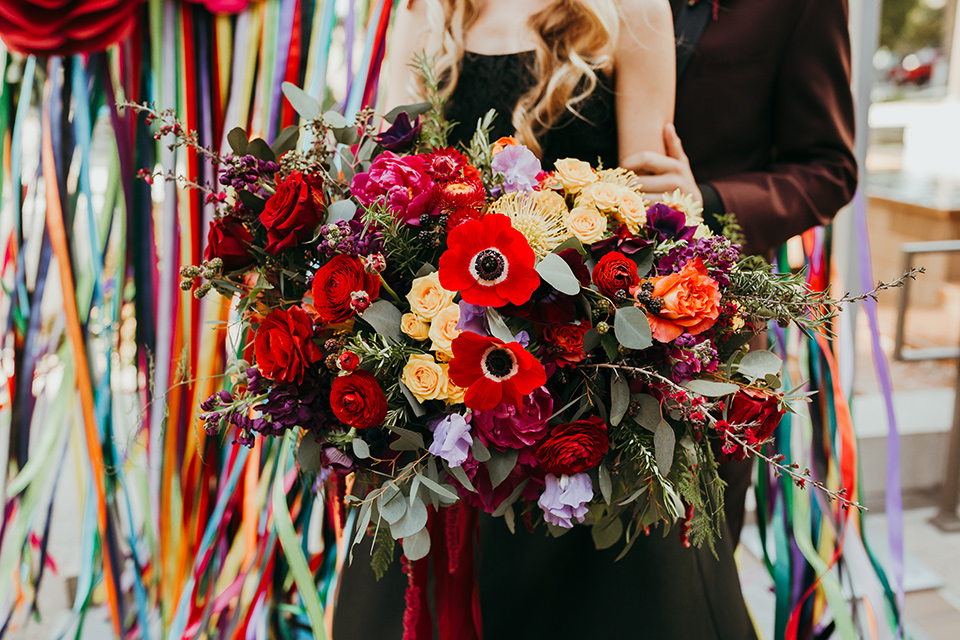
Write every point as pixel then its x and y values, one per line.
pixel 689 355
pixel 565 499
pixel 451 439
pixel 519 166
pixel 349 237
pixel 509 428
pixel 402 134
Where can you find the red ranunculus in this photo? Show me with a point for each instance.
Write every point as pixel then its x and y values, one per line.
pixel 66 27
pixel 334 285
pixel 760 409
pixel 566 341
pixel 614 273
pixel 357 400
pixel 293 212
pixel 230 241
pixel 574 447
pixel 284 346
pixel 493 371
pixel 489 262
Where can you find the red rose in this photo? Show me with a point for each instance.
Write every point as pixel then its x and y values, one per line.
pixel 66 27
pixel 615 272
pixel 574 447
pixel 283 345
pixel 334 285
pixel 293 212
pixel 566 341
pixel 358 401
pixel 230 241
pixel 749 406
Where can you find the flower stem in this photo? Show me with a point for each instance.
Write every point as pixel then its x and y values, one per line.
pixel 393 294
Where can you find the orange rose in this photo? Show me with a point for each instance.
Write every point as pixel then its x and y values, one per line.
pixel 502 143
pixel 691 302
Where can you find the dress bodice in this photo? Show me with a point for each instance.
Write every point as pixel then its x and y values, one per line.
pixel 498 81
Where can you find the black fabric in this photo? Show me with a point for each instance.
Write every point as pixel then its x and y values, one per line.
pixel 689 23
pixel 498 81
pixel 712 207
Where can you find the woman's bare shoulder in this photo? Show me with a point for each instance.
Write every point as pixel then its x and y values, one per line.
pixel 645 14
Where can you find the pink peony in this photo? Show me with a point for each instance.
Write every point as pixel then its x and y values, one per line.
pixel 507 427
pixel 402 182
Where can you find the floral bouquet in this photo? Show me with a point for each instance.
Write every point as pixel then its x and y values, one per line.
pixel 439 325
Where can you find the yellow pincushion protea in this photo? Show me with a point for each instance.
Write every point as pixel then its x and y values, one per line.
pixel 685 204
pixel 539 219
pixel 620 177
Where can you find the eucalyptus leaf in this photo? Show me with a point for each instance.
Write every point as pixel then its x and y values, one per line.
pixel 619 397
pixel 415 404
pixel 392 506
pixel 606 534
pixel 504 506
pixel 461 477
pixel 259 148
pixel 237 139
pixel 408 441
pixel 479 450
pixel 341 210
pixel 632 329
pixel 286 140
pixel 772 381
pixel 573 242
pixel 759 364
pixel 416 546
pixel 555 530
pixel 412 111
pixel 302 103
pixel 610 346
pixel 510 519
pixel 499 328
pixel 348 136
pixel 251 201
pixel 606 486
pixel 415 487
pixel 361 450
pixel 384 318
pixel 308 454
pixel 558 274
pixel 633 496
pixel 413 520
pixel 649 415
pixel 439 489
pixel 425 270
pixel 664 443
pixel 591 340
pixel 500 465
pixel 711 388
pixel 363 521
pixel 335 120
pixel 645 263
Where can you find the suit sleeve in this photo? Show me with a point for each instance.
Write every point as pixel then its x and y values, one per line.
pixel 813 172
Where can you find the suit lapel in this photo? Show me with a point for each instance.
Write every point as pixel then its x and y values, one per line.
pixel 689 23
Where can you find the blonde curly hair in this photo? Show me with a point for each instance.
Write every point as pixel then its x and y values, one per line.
pixel 574 40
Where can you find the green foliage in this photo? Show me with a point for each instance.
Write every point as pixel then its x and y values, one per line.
pixel 908 25
pixel 436 129
pixel 383 552
pixel 703 488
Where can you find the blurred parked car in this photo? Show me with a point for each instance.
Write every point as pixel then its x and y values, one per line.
pixel 915 69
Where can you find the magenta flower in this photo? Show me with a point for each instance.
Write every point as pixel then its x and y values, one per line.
pixel 401 183
pixel 565 499
pixel 507 427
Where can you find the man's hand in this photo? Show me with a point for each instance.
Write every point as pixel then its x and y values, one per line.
pixel 663 173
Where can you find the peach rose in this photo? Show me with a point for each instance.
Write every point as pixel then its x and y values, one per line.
pixel 574 174
pixel 550 201
pixel 427 297
pixel 415 326
pixel 602 195
pixel 632 210
pixel 586 223
pixel 424 377
pixel 452 394
pixel 443 330
pixel 691 302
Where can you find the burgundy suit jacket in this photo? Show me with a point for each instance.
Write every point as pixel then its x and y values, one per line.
pixel 765 113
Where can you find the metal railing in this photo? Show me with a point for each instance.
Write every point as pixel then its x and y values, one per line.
pixel 910 250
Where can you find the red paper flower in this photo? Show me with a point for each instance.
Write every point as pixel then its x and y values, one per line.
pixel 444 165
pixel 493 371
pixel 574 447
pixel 462 194
pixel 283 345
pixel 358 401
pixel 489 262
pixel 230 241
pixel 614 273
pixel 66 27
pixel 293 212
pixel 335 284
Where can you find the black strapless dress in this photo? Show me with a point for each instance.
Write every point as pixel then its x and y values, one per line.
pixel 532 586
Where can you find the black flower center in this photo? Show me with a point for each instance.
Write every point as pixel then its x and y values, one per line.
pixel 499 363
pixel 489 264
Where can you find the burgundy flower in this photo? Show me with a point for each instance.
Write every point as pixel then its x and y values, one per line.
pixel 66 27
pixel 574 447
pixel 293 212
pixel 615 273
pixel 230 241
pixel 669 224
pixel 402 133
pixel 622 241
pixel 546 304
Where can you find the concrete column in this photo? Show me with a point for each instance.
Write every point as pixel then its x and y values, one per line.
pixel 953 70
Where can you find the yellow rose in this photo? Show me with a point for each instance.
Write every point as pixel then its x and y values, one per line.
pixel 424 377
pixel 414 326
pixel 443 330
pixel 427 297
pixel 452 394
pixel 602 195
pixel 574 174
pixel 586 223
pixel 550 201
pixel 632 210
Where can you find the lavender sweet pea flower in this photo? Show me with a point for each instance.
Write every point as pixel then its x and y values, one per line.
pixel 452 439
pixel 519 167
pixel 473 318
pixel 565 498
pixel 402 134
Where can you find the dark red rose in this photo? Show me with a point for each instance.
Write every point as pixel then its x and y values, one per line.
pixel 615 272
pixel 334 285
pixel 293 212
pixel 358 401
pixel 284 345
pixel 574 447
pixel 66 27
pixel 230 241
pixel 750 406
pixel 566 341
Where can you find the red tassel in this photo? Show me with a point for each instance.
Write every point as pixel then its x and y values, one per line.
pixel 454 543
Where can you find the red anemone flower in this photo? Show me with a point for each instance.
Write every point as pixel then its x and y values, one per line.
pixel 489 262
pixel 493 371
